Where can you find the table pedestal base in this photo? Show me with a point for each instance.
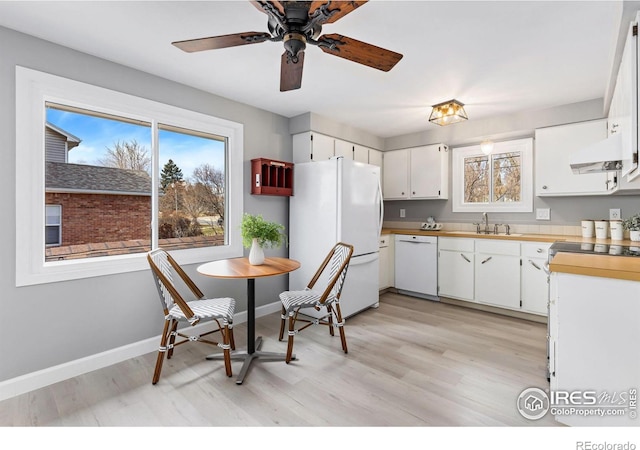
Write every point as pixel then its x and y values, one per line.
pixel 248 357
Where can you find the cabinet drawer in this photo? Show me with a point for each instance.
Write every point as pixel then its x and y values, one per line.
pixel 535 250
pixel 497 247
pixel 458 244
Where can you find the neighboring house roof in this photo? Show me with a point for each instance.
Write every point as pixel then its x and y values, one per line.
pixel 65 177
pixel 72 141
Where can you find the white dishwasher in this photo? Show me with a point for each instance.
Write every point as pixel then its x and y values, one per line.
pixel 416 264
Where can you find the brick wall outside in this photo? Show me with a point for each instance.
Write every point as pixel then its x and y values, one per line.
pixel 94 218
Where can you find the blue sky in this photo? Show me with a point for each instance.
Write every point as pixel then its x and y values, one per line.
pixel 98 134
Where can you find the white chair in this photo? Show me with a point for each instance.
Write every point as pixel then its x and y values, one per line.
pixel 327 297
pixel 176 310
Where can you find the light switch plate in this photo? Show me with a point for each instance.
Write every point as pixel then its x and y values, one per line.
pixel 614 214
pixel 543 214
pixel 403 212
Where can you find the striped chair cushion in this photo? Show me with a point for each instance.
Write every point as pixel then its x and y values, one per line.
pixel 292 300
pixel 213 308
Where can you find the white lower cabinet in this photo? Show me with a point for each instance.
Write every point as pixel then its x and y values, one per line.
pixel 501 273
pixel 386 267
pixel 498 273
pixel 534 292
pixel 455 268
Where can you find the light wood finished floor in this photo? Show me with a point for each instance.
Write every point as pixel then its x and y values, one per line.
pixel 411 362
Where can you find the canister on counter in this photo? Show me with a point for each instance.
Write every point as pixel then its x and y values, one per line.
pixel 588 227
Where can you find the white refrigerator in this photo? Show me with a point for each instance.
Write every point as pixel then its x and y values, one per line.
pixel 337 200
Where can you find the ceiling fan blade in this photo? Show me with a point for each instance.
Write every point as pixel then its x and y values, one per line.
pixel 342 8
pixel 260 5
pixel 224 41
pixel 360 52
pixel 291 72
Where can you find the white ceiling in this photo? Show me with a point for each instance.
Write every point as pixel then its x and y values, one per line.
pixel 497 57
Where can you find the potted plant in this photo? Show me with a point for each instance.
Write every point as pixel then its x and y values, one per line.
pixel 633 225
pixel 258 233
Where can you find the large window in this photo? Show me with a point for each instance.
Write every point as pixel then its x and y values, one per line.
pixel 136 175
pixel 500 181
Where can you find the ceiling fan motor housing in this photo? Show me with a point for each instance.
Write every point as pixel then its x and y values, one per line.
pixel 294 43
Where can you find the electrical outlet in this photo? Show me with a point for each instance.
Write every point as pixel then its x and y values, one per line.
pixel 614 214
pixel 403 212
pixel 543 214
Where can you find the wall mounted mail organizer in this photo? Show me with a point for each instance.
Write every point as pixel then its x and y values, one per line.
pixel 271 177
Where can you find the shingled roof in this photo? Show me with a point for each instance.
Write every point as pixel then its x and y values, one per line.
pixel 65 177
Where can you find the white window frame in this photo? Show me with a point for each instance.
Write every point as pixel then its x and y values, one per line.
pixel 33 90
pixel 522 146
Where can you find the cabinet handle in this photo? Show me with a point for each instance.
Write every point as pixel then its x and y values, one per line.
pixel 534 265
pixel 465 258
pixel 487 260
pixel 539 250
pixel 544 187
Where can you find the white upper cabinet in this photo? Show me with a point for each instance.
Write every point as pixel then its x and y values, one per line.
pixel 553 149
pixel 417 173
pixel 375 157
pixel 312 146
pixel 343 148
pixel 623 117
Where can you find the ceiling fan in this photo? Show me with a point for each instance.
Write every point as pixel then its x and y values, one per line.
pixel 296 24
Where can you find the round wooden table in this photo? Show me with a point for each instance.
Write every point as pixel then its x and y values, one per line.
pixel 240 268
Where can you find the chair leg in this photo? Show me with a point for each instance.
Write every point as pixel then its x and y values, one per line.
pixel 330 319
pixel 343 338
pixel 292 322
pixel 172 338
pixel 283 314
pixel 160 358
pixel 226 338
pixel 232 340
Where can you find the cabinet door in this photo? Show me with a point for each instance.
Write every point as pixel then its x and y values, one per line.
pixel 396 175
pixel 626 96
pixel 497 280
pixel 361 153
pixel 553 149
pixel 383 268
pixel 375 157
pixel 455 274
pixel 534 286
pixel 343 148
pixel 322 147
pixel 425 173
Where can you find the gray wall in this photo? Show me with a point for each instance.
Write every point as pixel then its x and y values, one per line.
pixel 45 325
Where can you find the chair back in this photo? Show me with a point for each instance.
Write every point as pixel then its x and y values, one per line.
pixel 163 269
pixel 337 262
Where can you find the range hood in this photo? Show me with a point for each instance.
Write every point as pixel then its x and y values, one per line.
pixel 603 156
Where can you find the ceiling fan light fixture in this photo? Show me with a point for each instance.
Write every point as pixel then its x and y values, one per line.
pixel 448 112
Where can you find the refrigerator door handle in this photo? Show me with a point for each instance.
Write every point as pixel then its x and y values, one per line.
pixel 381 203
pixel 363 259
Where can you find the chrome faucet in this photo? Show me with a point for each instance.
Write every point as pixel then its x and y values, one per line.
pixel 485 219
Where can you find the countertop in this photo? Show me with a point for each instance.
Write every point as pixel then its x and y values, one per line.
pixel 619 267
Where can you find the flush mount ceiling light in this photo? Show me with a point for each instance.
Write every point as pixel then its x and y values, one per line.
pixel 486 146
pixel 448 112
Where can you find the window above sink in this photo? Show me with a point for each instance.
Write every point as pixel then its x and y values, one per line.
pixel 499 182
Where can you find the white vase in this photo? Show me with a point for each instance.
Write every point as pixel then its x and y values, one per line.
pixel 634 235
pixel 256 254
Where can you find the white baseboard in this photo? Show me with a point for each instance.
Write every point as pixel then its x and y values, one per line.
pixel 45 377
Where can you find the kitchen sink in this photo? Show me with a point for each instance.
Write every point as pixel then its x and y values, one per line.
pixel 473 233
